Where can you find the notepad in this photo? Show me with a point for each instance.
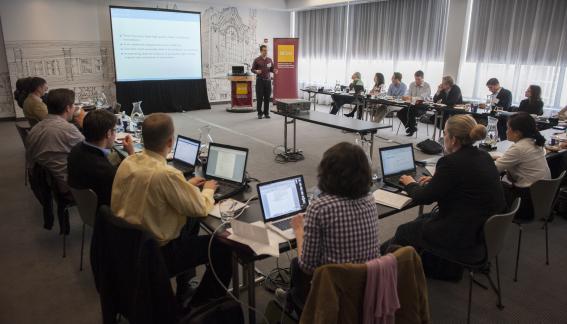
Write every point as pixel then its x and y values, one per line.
pixel 391 199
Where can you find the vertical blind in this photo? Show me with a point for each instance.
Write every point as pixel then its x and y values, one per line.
pixel 322 32
pixel 519 31
pixel 399 30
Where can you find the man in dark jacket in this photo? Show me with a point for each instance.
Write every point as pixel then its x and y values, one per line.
pixel 87 164
pixel 500 97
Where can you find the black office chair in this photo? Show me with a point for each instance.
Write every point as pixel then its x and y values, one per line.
pixel 543 194
pixel 87 202
pixel 46 190
pixel 494 230
pixel 23 130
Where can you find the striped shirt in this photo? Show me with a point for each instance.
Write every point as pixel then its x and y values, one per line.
pixel 339 230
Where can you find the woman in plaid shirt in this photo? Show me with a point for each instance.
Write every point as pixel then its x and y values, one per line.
pixel 341 225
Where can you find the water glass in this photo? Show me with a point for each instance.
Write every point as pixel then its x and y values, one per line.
pixel 227 212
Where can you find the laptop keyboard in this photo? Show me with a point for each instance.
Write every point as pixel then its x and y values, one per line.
pixel 283 224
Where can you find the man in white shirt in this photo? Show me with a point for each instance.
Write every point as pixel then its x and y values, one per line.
pixel 418 90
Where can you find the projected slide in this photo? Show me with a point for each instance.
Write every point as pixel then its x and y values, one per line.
pixel 156 44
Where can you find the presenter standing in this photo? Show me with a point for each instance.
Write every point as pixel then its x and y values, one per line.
pixel 262 66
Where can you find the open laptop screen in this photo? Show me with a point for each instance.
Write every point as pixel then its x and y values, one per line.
pixel 228 163
pixel 186 150
pixel 282 198
pixel 397 159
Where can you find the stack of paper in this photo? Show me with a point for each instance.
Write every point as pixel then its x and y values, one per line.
pixel 391 199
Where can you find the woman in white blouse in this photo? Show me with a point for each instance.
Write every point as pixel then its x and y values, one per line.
pixel 524 162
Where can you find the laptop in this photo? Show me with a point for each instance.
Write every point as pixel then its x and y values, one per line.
pixel 227 165
pixel 280 200
pixel 396 161
pixel 186 154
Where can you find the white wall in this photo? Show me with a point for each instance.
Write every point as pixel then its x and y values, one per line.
pixel 68 42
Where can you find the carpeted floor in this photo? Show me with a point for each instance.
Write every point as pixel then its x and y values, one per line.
pixel 38 286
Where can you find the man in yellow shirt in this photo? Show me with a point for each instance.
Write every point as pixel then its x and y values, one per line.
pixel 149 193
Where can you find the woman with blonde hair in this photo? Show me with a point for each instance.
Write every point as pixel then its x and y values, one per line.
pixel 466 187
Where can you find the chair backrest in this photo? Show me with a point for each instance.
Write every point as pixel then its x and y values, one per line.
pixel 130 272
pixel 495 229
pixel 23 130
pixel 87 202
pixel 543 193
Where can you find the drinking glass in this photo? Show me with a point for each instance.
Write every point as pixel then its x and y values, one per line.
pixel 226 208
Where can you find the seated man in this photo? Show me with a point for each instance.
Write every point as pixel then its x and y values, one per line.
pixel 397 88
pixel 149 193
pixel 88 164
pixel 449 94
pixel 50 141
pixel 418 90
pixel 500 97
pixel 339 226
pixel 339 100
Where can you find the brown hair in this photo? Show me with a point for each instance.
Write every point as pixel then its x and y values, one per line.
pixel 465 129
pixel 345 171
pixel 58 100
pixel 157 129
pixel 398 76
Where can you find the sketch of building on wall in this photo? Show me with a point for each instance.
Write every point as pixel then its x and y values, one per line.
pixel 86 67
pixel 227 40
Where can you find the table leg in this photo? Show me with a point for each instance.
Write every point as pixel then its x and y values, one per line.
pixel 371 146
pixel 420 212
pixel 235 277
pixel 251 287
pixel 285 135
pixel 294 135
pixel 435 124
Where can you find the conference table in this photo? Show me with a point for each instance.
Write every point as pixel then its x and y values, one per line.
pixel 363 128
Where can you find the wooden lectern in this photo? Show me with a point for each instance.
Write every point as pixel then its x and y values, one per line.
pixel 241 93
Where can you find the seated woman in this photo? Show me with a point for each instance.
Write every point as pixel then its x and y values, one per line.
pixel 531 105
pixel 35 110
pixel 378 110
pixel 339 226
pixel 339 100
pixel 524 162
pixel 466 186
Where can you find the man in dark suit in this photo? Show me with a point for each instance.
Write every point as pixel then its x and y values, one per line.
pixel 500 97
pixel 88 164
pixel 449 94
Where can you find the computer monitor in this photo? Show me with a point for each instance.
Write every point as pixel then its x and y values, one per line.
pixel 186 150
pixel 282 198
pixel 397 159
pixel 226 162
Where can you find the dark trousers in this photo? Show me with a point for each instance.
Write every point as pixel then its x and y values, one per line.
pixel 407 116
pixel 190 250
pixel 339 101
pixel 526 210
pixel 263 93
pixel 408 234
pixel 300 284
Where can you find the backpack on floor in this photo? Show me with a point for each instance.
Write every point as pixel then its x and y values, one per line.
pixel 430 147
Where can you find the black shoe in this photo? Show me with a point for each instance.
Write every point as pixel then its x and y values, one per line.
pixel 259 116
pixel 267 116
pixel 411 132
pixel 349 115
